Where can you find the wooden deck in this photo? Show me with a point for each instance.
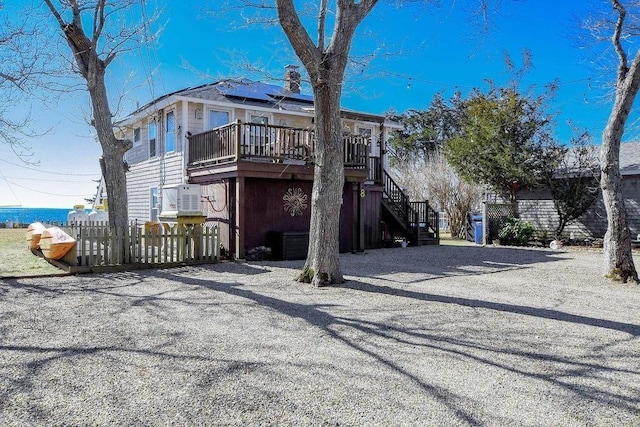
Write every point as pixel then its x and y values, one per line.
pixel 265 150
pixel 250 150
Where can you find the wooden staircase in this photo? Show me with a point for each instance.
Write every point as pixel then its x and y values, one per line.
pixel 415 222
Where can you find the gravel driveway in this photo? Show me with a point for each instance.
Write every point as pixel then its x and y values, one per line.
pixel 418 336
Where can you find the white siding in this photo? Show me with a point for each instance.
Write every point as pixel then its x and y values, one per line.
pixel 139 152
pixel 194 124
pixel 191 116
pixel 292 121
pixel 143 176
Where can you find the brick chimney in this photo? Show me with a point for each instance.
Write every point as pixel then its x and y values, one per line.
pixel 292 79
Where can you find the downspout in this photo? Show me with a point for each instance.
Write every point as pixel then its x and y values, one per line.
pixel 185 142
pixel 383 144
pixel 160 151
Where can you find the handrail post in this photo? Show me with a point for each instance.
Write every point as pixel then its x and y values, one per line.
pixel 238 127
pixel 366 156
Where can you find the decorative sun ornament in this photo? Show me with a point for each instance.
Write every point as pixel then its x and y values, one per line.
pixel 295 201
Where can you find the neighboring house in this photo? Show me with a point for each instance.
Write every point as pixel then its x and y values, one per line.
pixel 251 146
pixel 537 206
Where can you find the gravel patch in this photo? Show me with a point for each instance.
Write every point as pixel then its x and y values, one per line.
pixel 449 335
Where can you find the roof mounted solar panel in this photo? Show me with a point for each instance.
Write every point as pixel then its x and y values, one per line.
pixel 292 96
pixel 245 93
pixel 244 90
pixel 258 91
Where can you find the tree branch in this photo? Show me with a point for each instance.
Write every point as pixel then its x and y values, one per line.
pixel 616 39
pixel 55 13
pixel 349 16
pixel 322 17
pixel 308 53
pixel 98 21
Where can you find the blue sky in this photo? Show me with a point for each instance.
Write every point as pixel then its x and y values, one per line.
pixel 420 51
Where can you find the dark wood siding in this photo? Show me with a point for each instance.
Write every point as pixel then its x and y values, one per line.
pixel 265 212
pixel 264 209
pixel 372 216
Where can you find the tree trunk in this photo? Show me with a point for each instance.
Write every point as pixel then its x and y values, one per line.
pixel 114 170
pixel 618 258
pixel 323 261
pixel 559 229
pixel 326 65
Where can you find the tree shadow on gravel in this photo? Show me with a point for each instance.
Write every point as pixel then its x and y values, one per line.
pixel 568 374
pixel 512 353
pixel 23 364
pixel 542 313
pixel 314 315
pixel 40 358
pixel 565 372
pixel 432 262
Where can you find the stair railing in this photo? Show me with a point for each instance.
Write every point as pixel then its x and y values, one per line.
pixel 426 218
pixel 397 199
pixel 418 217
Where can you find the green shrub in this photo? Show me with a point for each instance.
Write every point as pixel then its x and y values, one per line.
pixel 517 232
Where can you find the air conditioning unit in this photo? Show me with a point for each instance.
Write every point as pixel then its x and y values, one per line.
pixel 181 200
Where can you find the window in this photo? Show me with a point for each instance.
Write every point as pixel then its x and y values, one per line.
pixel 136 136
pixel 152 138
pixel 357 149
pixel 261 120
pixel 258 135
pixel 368 132
pixel 171 132
pixel 218 118
pixel 153 204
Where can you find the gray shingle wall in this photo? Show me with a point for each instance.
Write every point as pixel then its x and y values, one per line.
pixel 630 157
pixel 538 208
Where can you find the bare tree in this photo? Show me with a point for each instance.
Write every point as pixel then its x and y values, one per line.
pixel 109 35
pixel 432 178
pixel 325 61
pixel 571 174
pixel 24 62
pixel 618 259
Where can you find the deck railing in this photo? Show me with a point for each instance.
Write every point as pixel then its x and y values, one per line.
pixel 375 169
pixel 218 145
pixel 150 243
pixel 258 142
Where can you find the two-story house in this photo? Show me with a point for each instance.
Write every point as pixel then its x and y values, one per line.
pixel 250 146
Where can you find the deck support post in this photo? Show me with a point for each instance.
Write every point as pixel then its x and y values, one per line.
pixel 361 195
pixel 239 217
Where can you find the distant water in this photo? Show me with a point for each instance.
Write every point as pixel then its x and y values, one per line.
pixel 25 216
